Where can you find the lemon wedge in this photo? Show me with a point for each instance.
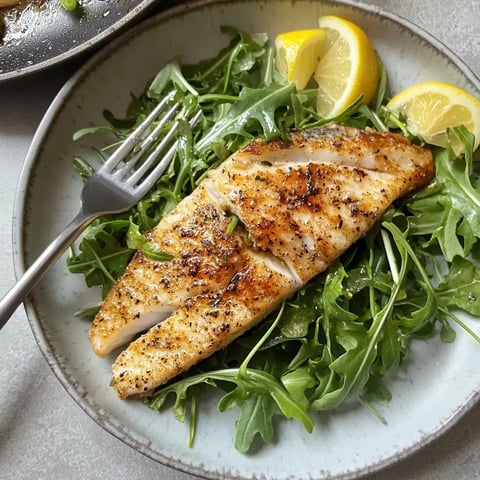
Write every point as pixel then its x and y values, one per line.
pixel 431 107
pixel 347 67
pixel 297 54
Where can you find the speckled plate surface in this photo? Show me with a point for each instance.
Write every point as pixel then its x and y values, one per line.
pixel 37 35
pixel 432 389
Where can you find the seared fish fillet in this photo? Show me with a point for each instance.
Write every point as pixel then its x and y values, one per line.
pixel 202 326
pixel 301 203
pixel 308 201
pixel 205 258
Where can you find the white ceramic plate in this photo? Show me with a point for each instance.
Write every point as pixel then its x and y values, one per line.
pixel 431 390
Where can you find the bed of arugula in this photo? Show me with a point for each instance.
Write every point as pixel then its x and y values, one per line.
pixel 349 328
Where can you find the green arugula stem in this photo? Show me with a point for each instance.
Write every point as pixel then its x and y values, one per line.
pixel 392 262
pixel 216 97
pixel 193 421
pixel 217 65
pixel 371 289
pixel 99 261
pixel 368 406
pixel 242 371
pixel 238 48
pixel 267 77
pixel 257 380
pixel 400 239
pixel 93 263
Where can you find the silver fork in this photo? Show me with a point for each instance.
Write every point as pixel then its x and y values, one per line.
pixel 114 187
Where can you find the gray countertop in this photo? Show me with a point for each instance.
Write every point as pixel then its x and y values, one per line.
pixel 43 433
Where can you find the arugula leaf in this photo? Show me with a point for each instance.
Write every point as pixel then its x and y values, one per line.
pixel 298 382
pixel 299 315
pixel 349 328
pixel 267 396
pixel 253 104
pixel 171 73
pixel 259 395
pixel 256 414
pixel 103 254
pixel 138 241
pixel 461 287
pixel 91 130
pixel 451 215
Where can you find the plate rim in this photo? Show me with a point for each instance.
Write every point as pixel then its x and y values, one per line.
pixel 19 217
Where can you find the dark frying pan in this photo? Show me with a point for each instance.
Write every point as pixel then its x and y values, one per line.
pixel 37 35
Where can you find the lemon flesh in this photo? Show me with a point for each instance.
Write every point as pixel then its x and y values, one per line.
pixel 347 67
pixel 297 54
pixel 431 107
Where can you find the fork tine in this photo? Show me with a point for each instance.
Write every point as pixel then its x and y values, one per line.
pixel 148 162
pixel 153 176
pixel 140 149
pixel 146 143
pixel 132 140
pixel 154 134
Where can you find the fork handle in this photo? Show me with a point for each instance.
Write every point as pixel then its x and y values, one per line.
pixel 42 264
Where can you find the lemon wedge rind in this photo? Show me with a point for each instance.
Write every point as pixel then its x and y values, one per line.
pixel 431 107
pixel 297 54
pixel 347 68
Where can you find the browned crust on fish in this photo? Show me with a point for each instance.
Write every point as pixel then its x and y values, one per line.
pixel 203 254
pixel 204 325
pixel 302 202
